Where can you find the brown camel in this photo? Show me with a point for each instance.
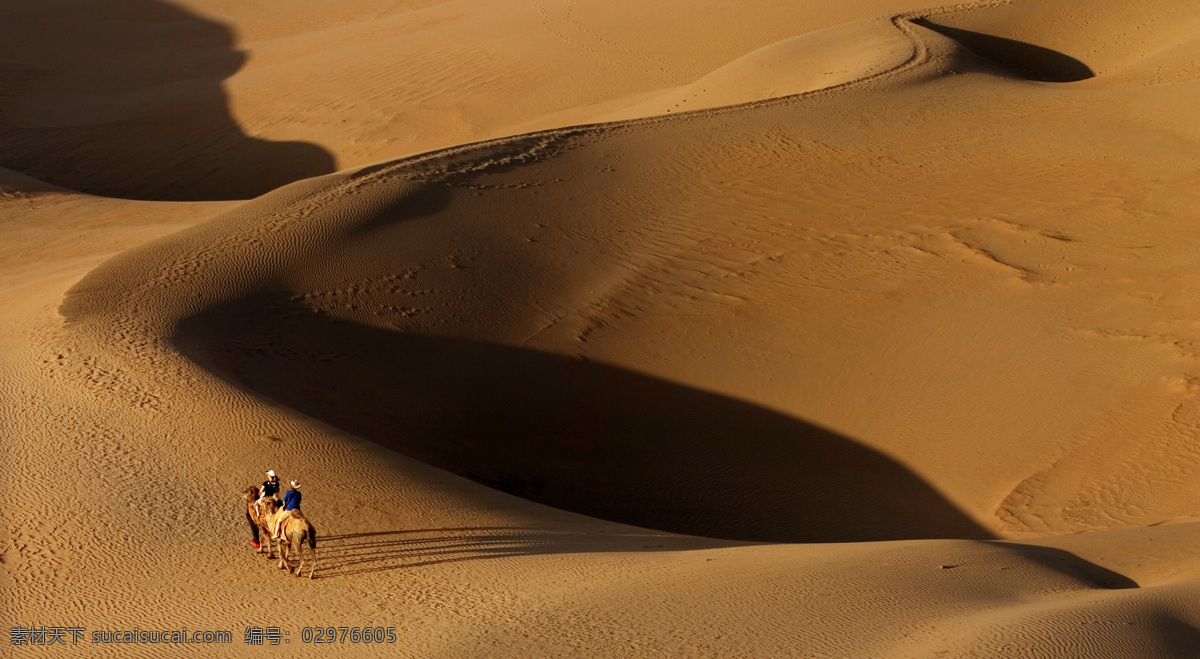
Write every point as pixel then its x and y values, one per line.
pixel 258 515
pixel 295 532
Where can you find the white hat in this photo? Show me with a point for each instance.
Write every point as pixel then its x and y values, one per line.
pixel 295 485
pixel 270 472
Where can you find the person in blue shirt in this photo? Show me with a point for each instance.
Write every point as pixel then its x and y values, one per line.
pixel 291 498
pixel 291 508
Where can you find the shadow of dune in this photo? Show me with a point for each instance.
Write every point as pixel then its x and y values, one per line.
pixel 124 99
pixel 573 434
pixel 1179 637
pixel 1066 563
pixel 381 551
pixel 1027 60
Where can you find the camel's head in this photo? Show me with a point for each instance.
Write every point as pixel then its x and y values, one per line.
pixel 250 494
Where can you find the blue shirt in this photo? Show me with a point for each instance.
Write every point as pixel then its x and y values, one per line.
pixel 291 500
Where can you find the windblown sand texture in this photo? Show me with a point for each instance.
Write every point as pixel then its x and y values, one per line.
pixel 612 329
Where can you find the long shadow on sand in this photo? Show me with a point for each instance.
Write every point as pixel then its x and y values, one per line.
pixel 1066 563
pixel 578 435
pixel 1179 637
pixel 1026 59
pixel 382 551
pixel 123 98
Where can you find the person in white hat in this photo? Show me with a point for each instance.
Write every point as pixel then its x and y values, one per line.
pixel 270 487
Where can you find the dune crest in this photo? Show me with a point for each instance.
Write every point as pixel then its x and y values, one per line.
pixel 804 63
pixel 1122 43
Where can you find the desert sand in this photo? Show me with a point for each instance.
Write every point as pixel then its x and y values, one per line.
pixel 606 329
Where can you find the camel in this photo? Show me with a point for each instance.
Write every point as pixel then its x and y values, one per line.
pixel 261 514
pixel 295 532
pixel 258 515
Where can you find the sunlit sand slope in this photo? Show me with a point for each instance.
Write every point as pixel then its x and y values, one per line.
pixel 940 301
pixel 210 99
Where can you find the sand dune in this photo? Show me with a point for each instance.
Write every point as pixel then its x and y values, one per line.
pixel 811 61
pixel 790 331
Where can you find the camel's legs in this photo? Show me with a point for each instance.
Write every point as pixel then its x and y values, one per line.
pixel 310 556
pixel 263 539
pixel 282 554
pixel 267 543
pixel 271 539
pixel 286 546
pixel 300 553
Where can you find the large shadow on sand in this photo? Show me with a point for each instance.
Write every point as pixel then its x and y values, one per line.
pixel 123 98
pixel 578 435
pixel 347 554
pixel 1025 59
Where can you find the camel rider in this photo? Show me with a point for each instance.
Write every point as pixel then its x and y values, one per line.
pixel 270 487
pixel 291 508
